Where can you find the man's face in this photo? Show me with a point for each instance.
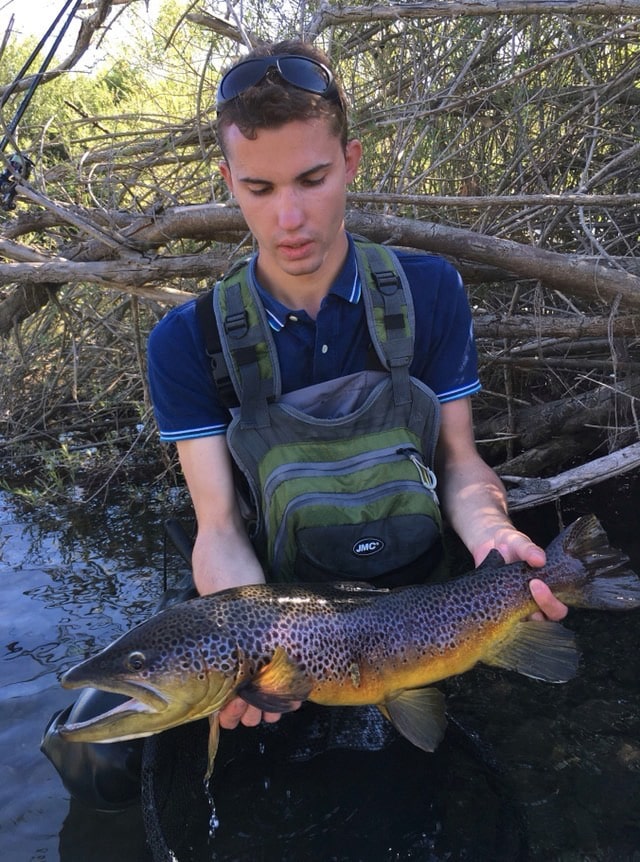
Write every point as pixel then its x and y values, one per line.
pixel 290 184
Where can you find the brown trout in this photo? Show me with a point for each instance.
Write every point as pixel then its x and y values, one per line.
pixel 350 644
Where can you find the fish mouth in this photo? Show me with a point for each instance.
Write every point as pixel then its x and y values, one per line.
pixel 129 719
pixel 147 697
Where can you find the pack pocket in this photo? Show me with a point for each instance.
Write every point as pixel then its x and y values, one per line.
pixel 321 528
pixel 363 551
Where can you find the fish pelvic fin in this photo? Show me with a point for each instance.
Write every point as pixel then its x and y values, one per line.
pixel 212 748
pixel 609 582
pixel 419 715
pixel 540 649
pixel 278 685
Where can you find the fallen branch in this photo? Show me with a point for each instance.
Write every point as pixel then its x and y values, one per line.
pixel 348 15
pixel 535 492
pixel 586 279
pixel 570 273
pixel 129 275
pixel 549 456
pixel 536 327
pixel 560 418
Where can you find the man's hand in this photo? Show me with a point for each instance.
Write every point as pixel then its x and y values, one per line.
pixel 238 711
pixel 514 547
pixel 551 608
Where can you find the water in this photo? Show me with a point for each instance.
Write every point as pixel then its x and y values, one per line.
pixel 69 583
pixel 552 768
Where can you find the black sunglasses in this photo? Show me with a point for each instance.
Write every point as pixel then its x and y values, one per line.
pixel 297 70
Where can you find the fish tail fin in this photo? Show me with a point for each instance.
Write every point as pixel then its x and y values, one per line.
pixel 608 582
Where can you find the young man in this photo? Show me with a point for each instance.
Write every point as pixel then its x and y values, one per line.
pixel 288 160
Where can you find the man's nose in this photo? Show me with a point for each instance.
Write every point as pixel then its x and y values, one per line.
pixel 290 210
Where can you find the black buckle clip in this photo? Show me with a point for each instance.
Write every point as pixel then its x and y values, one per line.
pixel 387 281
pixel 236 325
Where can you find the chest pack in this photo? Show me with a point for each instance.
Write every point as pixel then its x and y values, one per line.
pixel 339 474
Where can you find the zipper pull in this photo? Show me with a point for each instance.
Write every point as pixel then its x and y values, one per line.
pixel 427 476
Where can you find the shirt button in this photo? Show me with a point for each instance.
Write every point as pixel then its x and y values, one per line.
pixel 293 318
pixel 325 348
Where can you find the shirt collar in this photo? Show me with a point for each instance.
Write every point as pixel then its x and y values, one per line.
pixel 346 286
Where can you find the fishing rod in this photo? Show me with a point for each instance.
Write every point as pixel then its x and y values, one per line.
pixel 16 81
pixel 20 166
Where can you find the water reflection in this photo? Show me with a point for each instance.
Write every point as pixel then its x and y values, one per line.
pixel 560 762
pixel 70 582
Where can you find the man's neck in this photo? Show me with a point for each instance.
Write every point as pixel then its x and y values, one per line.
pixel 304 291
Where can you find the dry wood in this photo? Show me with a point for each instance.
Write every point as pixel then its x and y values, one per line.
pixel 572 273
pixel 548 457
pixel 512 128
pixel 531 492
pixel 560 418
pixel 329 14
pixel 537 327
pixel 488 201
pixel 564 272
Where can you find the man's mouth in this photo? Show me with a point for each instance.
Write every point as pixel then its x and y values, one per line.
pixel 295 250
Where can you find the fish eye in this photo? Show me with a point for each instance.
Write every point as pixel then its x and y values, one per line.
pixel 135 660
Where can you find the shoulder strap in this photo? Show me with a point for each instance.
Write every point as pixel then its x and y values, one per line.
pixel 244 366
pixel 209 328
pixel 248 346
pixel 390 314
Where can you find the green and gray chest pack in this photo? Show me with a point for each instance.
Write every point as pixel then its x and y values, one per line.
pixel 339 474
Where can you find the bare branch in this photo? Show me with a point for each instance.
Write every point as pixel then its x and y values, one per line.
pixel 223 27
pixel 534 492
pixel 329 14
pixel 88 29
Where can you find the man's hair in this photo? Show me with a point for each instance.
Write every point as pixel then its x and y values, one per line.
pixel 273 102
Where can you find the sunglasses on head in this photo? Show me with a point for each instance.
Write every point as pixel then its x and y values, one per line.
pixel 297 70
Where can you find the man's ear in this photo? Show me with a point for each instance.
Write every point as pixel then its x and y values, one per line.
pixel 352 155
pixel 224 169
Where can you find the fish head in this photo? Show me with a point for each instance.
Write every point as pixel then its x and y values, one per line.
pixel 167 671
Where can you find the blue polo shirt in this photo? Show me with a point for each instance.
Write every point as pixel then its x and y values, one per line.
pixel 335 344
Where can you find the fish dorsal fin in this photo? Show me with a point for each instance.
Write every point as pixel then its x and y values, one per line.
pixel 540 649
pixel 583 537
pixel 278 685
pixel 494 560
pixel 418 714
pixel 358 588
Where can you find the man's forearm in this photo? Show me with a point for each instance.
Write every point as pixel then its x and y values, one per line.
pixel 474 502
pixel 224 558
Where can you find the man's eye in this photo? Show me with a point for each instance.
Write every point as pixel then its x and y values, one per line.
pixel 314 182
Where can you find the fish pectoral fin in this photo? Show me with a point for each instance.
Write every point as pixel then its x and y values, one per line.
pixel 418 714
pixel 212 748
pixel 540 649
pixel 278 685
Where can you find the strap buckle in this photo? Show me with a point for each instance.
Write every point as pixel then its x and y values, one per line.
pixel 386 281
pixel 236 325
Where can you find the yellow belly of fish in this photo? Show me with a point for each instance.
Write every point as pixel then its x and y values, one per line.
pixel 363 683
